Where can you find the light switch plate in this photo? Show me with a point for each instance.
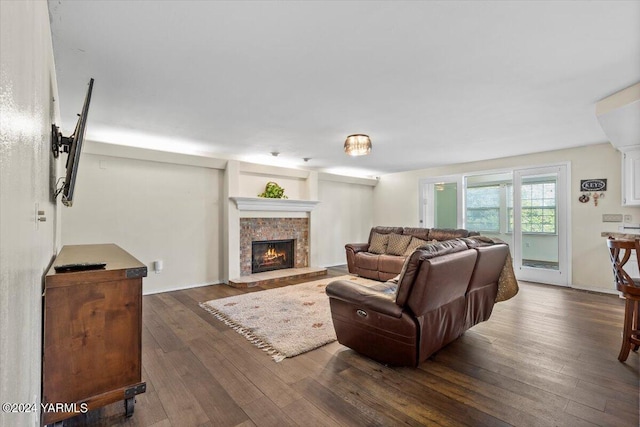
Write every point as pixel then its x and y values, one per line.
pixel 611 217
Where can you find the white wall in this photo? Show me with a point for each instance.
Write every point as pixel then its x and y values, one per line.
pixel 395 202
pixel 344 215
pixel 154 210
pixel 27 82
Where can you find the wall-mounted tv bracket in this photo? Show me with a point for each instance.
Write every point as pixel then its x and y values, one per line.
pixel 59 142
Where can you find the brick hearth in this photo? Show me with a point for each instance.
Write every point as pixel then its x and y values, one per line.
pixel 277 276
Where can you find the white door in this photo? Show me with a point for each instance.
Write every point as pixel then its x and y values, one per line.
pixel 539 220
pixel 440 202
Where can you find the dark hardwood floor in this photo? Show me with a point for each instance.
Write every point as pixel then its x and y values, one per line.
pixel 548 357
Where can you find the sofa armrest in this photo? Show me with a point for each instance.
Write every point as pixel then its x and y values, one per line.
pixel 357 247
pixel 364 297
pixel 352 249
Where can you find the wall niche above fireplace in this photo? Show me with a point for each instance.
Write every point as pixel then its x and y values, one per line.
pixel 269 255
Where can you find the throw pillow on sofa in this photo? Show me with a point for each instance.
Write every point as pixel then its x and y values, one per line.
pixel 398 244
pixel 378 243
pixel 414 244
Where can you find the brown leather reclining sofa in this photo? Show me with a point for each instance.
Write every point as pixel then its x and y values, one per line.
pixel 379 261
pixel 444 289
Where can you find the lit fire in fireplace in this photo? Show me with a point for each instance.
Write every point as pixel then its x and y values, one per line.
pixel 272 257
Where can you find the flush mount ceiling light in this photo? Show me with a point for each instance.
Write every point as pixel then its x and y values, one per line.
pixel 357 145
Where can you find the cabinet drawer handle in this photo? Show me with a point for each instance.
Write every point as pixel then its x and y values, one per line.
pixel 361 313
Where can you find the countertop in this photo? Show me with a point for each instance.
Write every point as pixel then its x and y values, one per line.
pixel 618 235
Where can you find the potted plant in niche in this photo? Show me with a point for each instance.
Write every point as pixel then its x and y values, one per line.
pixel 273 191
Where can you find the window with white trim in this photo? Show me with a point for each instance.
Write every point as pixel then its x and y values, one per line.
pixel 538 207
pixel 483 208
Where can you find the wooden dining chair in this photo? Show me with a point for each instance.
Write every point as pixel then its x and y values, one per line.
pixel 621 252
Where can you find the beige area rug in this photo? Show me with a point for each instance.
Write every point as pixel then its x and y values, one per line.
pixel 285 321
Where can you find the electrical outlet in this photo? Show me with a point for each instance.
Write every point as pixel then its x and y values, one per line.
pixel 628 218
pixel 611 217
pixel 39 216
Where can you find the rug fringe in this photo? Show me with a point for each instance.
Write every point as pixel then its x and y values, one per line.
pixel 245 332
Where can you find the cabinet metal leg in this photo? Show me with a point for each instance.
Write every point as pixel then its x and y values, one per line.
pixel 129 404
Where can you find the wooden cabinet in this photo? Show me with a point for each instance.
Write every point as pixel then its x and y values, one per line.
pixel 92 332
pixel 631 176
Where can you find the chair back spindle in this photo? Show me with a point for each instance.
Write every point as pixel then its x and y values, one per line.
pixel 620 252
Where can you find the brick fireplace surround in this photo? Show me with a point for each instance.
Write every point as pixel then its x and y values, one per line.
pixel 253 229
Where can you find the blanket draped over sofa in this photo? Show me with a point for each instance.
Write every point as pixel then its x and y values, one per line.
pixel 507 283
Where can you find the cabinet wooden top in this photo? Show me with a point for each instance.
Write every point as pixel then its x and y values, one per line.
pixel 119 265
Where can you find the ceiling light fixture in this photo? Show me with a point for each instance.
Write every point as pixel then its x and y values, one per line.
pixel 357 145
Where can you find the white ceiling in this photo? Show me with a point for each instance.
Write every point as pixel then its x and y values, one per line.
pixel 432 83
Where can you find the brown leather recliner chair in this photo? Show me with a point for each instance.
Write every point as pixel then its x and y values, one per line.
pixel 443 291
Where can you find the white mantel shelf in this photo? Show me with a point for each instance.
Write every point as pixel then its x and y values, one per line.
pixel 264 204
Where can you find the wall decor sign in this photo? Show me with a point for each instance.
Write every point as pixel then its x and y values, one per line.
pixel 592 189
pixel 593 185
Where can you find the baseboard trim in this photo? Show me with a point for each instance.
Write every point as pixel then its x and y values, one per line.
pixel 180 288
pixel 596 290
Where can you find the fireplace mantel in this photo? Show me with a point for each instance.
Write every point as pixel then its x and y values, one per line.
pixel 264 204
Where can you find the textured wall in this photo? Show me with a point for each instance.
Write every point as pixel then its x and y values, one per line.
pixel 27 82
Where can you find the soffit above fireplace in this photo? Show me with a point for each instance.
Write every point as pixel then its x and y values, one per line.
pixel 264 204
